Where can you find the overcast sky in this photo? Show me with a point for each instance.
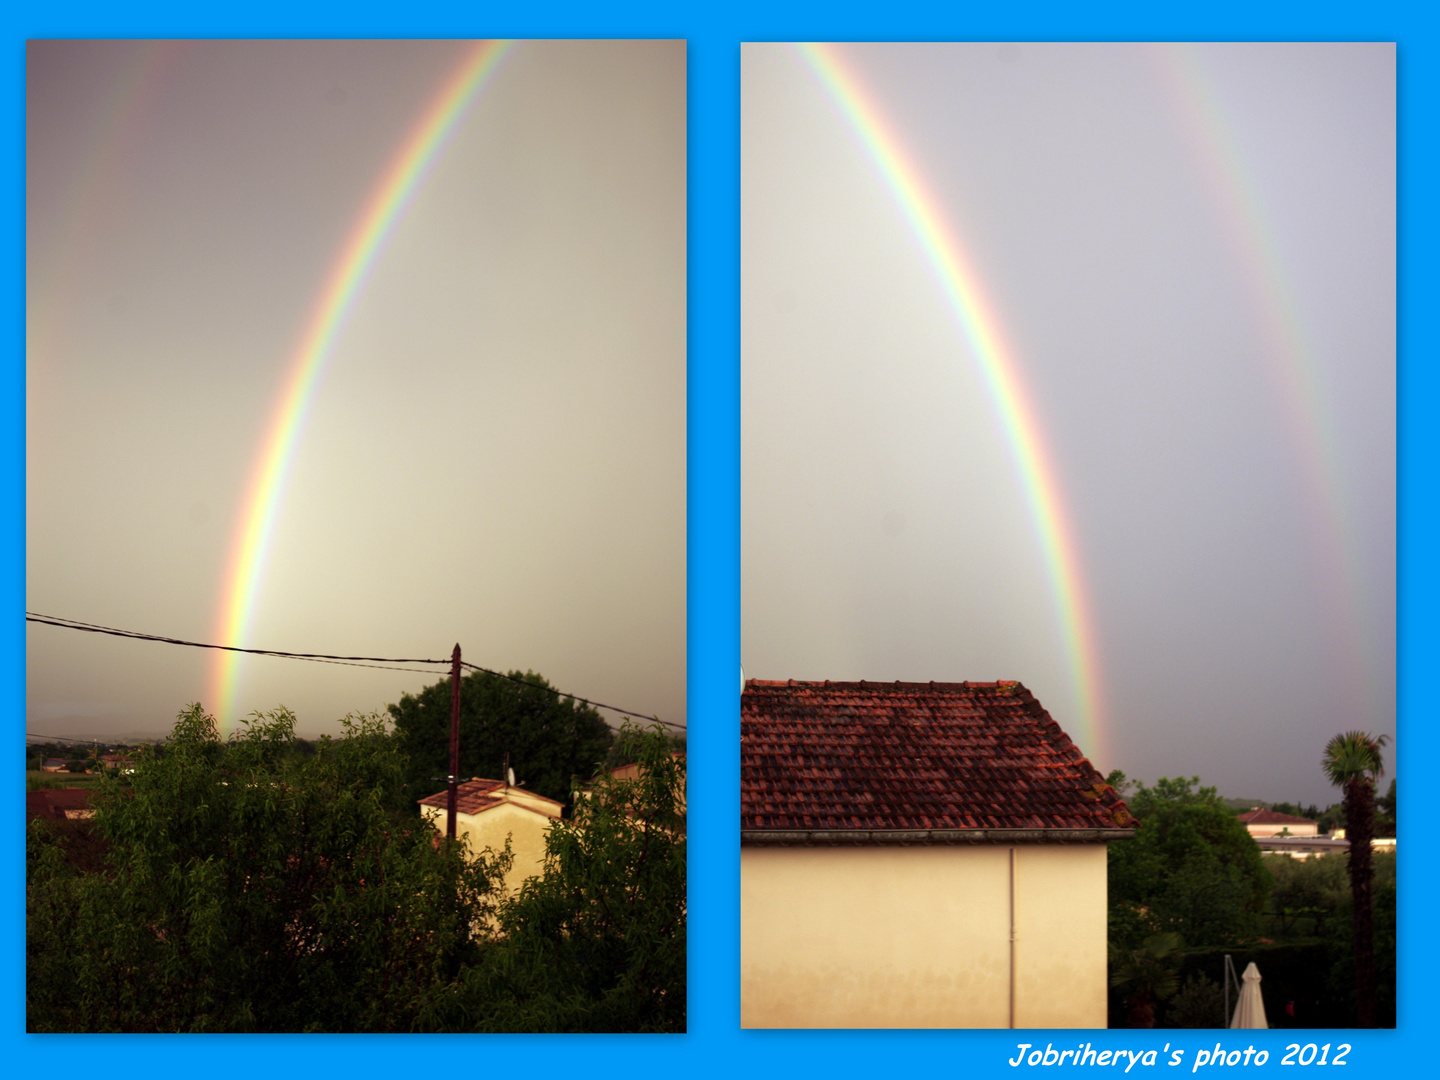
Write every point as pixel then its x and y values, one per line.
pixel 496 450
pixel 1191 251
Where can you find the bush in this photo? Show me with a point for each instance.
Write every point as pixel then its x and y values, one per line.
pixel 597 942
pixel 248 889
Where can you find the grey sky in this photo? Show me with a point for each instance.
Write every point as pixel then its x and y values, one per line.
pixel 496 452
pixel 1192 252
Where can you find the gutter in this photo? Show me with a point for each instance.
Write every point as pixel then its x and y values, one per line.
pixel 846 837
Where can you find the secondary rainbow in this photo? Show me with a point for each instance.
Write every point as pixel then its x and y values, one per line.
pixel 1299 388
pixel 976 315
pixel 266 488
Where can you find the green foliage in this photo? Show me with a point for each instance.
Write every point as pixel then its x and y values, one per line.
pixel 549 738
pixel 596 943
pixel 631 742
pixel 1385 818
pixel 1200 1003
pixel 1318 885
pixel 1354 755
pixel 1332 818
pixel 1146 974
pixel 1192 868
pixel 247 888
pixel 1352 762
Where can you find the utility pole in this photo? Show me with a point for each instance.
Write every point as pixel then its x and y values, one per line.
pixel 454 739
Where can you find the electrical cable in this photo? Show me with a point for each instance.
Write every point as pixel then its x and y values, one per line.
pixel 382 663
pixel 572 697
pixel 319 658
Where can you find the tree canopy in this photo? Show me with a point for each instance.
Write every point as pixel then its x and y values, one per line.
pixel 551 739
pixel 596 942
pixel 249 888
pixel 1192 868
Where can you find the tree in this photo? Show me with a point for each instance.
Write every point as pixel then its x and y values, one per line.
pixel 1385 820
pixel 249 888
pixel 1191 868
pixel 597 941
pixel 549 738
pixel 1353 762
pixel 1146 975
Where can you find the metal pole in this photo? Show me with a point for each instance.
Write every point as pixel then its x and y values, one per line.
pixel 1013 973
pixel 1225 1020
pixel 454 739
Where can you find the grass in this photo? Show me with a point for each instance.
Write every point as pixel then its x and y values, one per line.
pixel 37 780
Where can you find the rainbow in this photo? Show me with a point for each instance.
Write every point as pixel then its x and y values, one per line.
pixel 1240 211
pixel 981 328
pixel 56 277
pixel 266 488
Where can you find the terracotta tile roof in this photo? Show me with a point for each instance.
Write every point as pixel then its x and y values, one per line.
pixel 1272 817
pixel 476 795
pixel 892 756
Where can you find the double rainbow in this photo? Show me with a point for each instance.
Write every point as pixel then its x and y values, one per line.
pixel 1299 389
pixel 266 489
pixel 981 328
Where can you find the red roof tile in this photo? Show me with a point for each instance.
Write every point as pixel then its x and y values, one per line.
pixel 877 756
pixel 474 796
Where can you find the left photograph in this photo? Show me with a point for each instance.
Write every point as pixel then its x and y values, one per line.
pixel 355 536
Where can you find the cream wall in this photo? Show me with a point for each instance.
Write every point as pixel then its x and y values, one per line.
pixel 882 936
pixel 1313 829
pixel 525 827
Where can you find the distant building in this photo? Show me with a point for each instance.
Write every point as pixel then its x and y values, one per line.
pixel 1261 822
pixel 1305 847
pixel 919 855
pixel 489 811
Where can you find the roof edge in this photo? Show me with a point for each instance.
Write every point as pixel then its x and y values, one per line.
pixel 831 837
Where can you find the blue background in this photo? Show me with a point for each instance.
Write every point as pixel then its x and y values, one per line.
pixel 715 1044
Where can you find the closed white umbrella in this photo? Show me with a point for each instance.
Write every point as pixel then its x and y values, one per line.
pixel 1250 1009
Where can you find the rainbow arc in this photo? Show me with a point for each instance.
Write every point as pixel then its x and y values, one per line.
pixel 366 239
pixel 981 328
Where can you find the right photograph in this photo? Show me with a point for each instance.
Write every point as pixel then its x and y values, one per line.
pixel 1068 599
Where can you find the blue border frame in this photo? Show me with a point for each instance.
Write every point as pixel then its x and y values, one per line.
pixel 715 1043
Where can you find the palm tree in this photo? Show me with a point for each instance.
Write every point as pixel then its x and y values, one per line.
pixel 1146 976
pixel 1352 763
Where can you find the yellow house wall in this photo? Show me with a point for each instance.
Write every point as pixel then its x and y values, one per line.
pixel 525 828
pixel 1276 830
pixel 905 937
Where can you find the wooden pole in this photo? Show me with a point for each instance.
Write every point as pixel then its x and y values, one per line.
pixel 454 739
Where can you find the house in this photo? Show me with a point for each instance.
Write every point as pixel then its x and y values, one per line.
pixel 1261 822
pixel 1304 847
pixel 489 811
pixel 53 764
pixel 919 855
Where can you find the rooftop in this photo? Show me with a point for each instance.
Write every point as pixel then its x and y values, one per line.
pixel 838 756
pixel 476 795
pixel 1261 816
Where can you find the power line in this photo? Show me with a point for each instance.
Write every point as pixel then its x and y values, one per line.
pixel 318 658
pixel 572 697
pixel 377 662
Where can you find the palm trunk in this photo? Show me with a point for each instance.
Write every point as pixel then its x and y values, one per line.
pixel 1359 830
